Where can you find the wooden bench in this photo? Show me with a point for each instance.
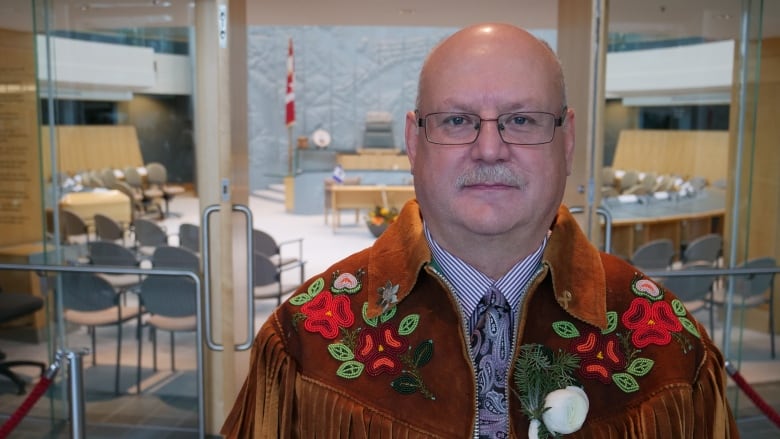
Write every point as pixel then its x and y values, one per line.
pixel 367 197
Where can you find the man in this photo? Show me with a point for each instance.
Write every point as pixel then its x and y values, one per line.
pixel 484 311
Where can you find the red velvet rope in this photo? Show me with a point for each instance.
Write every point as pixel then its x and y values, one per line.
pixel 21 412
pixel 751 393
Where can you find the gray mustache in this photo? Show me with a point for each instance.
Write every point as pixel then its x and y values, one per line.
pixel 498 174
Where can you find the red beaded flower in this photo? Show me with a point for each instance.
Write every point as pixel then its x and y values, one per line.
pixel 600 356
pixel 613 355
pixel 325 313
pixel 651 322
pixel 380 349
pixel 381 346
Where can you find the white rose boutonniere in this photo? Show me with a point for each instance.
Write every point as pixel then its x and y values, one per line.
pixel 565 410
pixel 548 392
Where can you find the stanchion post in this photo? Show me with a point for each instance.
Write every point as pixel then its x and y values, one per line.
pixel 76 393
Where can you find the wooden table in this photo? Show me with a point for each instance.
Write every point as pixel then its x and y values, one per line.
pixel 681 221
pixel 345 196
pixel 111 203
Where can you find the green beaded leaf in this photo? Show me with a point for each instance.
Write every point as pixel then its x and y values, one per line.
pixel 679 308
pixel 406 384
pixel 371 322
pixel 640 366
pixel 423 353
pixel 350 369
pixel 690 327
pixel 625 382
pixel 612 321
pixel 409 324
pixel 565 329
pixel 341 352
pixel 316 287
pixel 300 299
pixel 387 315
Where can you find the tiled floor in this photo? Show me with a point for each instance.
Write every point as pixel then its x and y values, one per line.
pixel 167 405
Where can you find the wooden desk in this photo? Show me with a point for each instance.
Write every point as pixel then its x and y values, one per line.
pixel 385 161
pixel 111 203
pixel 681 221
pixel 366 197
pixel 628 235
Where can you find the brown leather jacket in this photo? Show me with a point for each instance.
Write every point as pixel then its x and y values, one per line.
pixel 376 347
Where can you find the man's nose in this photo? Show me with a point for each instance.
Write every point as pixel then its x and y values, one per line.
pixel 490 146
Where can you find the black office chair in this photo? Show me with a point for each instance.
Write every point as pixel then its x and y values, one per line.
pixel 12 307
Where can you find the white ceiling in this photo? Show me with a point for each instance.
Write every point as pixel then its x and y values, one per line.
pixel 709 19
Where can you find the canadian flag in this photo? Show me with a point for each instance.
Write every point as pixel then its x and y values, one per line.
pixel 289 98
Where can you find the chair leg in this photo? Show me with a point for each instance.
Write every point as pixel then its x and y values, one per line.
pixel 153 334
pixel 712 314
pixel 20 384
pixel 91 330
pixel 772 317
pixel 5 370
pixel 118 358
pixel 173 362
pixel 168 213
pixel 139 335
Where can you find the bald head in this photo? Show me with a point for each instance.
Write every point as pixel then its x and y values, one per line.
pixel 482 42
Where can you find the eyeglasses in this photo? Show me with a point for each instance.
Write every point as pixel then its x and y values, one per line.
pixel 522 128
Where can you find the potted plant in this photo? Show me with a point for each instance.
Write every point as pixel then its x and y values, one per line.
pixel 379 218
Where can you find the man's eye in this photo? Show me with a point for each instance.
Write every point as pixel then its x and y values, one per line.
pixel 518 120
pixel 456 120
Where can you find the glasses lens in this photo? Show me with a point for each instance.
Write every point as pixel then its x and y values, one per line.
pixel 527 128
pixel 452 128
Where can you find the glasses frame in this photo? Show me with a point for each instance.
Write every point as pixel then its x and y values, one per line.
pixel 557 122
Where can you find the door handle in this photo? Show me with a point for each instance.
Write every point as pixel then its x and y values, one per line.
pixel 607 224
pixel 205 228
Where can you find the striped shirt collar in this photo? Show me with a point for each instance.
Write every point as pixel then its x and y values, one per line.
pixel 470 284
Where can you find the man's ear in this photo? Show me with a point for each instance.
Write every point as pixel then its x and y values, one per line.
pixel 568 140
pixel 411 134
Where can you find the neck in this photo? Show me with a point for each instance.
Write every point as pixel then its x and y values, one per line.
pixel 492 255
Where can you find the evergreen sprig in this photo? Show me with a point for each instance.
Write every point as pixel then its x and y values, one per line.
pixel 539 371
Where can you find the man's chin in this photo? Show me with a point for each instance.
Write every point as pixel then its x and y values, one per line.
pixel 488 225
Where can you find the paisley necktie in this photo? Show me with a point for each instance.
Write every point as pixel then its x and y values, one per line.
pixel 491 341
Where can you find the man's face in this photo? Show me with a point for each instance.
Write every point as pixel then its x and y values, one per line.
pixel 457 186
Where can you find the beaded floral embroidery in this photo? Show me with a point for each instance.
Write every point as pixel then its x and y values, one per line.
pixel 612 356
pixel 379 347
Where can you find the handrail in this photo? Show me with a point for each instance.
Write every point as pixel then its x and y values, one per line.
pixel 729 297
pixel 607 224
pixel 205 229
pixel 142 271
pixel 731 272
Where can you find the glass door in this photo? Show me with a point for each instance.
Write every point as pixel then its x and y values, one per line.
pixel 679 149
pixel 688 143
pixel 92 94
pixel 26 337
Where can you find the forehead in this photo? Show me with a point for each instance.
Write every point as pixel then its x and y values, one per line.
pixel 491 75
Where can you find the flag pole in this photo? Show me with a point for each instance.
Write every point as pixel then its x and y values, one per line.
pixel 289 149
pixel 290 106
pixel 289 103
